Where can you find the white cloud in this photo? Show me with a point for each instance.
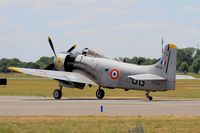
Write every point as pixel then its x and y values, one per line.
pixel 113 3
pixel 12 32
pixel 172 32
pixel 46 3
pixel 73 21
pixel 152 12
pixel 6 2
pixel 101 5
pixel 121 3
pixel 142 25
pixel 5 22
pixel 156 26
pixel 115 6
pixel 86 33
pixel 192 8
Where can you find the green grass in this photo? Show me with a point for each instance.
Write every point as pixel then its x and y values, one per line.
pixel 100 124
pixel 18 86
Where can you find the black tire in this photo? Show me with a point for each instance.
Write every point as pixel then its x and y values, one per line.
pixel 150 98
pixel 57 94
pixel 100 94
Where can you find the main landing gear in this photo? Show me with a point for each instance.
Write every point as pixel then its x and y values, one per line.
pixel 148 96
pixel 100 93
pixel 57 94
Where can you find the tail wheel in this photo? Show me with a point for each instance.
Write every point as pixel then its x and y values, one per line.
pixel 57 94
pixel 100 94
pixel 148 96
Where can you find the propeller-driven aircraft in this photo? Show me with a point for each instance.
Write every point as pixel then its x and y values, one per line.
pixel 77 69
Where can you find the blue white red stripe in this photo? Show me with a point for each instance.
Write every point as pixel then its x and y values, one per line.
pixel 163 62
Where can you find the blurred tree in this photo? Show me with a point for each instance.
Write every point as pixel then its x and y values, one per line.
pixel 45 60
pixel 185 55
pixel 196 65
pixel 184 67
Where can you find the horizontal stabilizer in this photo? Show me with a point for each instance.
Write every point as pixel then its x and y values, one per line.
pixel 146 77
pixel 184 77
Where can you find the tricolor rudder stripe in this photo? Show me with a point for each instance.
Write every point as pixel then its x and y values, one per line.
pixel 163 62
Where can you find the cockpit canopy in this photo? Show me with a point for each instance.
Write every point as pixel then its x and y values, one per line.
pixel 90 52
pixel 87 52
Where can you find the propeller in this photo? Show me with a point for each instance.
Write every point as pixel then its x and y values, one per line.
pixel 71 49
pixel 51 44
pixel 52 65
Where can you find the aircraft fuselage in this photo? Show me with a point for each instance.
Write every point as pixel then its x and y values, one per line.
pixel 114 74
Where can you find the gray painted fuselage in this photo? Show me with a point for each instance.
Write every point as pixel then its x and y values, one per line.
pixel 99 69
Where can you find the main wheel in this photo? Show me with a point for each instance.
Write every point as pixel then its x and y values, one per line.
pixel 57 94
pixel 100 94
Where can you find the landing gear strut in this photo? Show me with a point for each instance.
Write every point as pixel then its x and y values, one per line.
pixel 148 96
pixel 57 94
pixel 100 93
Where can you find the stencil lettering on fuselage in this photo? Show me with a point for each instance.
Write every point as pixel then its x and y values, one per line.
pixel 138 82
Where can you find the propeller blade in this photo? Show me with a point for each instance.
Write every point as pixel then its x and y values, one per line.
pixel 51 44
pixel 72 48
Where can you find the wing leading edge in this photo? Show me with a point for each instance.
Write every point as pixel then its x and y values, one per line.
pixel 59 75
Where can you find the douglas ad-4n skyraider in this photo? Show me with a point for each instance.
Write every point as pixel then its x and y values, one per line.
pixel 76 69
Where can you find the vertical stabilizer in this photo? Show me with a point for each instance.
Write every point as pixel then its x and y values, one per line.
pixel 167 64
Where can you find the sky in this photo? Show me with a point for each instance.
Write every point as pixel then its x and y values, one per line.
pixel 115 28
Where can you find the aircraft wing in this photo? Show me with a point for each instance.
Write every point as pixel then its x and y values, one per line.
pixel 59 75
pixel 146 77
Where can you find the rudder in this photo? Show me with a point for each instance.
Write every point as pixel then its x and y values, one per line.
pixel 167 65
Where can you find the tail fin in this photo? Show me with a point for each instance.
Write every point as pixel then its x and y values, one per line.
pixel 167 64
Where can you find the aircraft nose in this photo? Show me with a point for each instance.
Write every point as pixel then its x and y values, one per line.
pixel 59 61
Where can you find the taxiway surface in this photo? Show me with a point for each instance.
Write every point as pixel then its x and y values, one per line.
pixel 41 106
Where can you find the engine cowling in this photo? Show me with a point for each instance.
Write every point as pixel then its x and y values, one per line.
pixel 69 62
pixel 65 62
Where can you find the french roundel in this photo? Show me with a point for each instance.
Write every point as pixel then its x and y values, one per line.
pixel 114 74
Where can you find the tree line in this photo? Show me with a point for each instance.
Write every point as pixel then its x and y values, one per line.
pixel 188 60
pixel 42 63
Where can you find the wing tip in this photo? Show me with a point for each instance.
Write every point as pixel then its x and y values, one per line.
pixel 15 69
